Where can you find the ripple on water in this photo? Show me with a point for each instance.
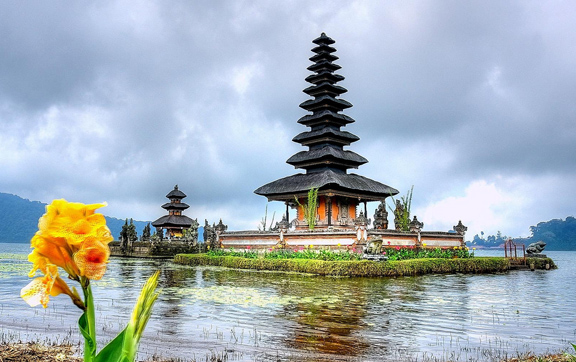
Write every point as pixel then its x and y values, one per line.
pixel 253 313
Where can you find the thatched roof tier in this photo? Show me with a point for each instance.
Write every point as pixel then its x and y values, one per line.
pixel 327 118
pixel 325 88
pixel 328 181
pixel 323 39
pixel 175 206
pixel 176 194
pixel 177 221
pixel 324 65
pixel 323 56
pixel 324 77
pixel 324 135
pixel 327 155
pixel 323 49
pixel 325 102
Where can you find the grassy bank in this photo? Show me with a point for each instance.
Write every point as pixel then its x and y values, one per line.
pixel 37 352
pixel 364 268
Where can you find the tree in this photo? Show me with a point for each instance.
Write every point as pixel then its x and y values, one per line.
pixel 402 211
pixel 146 233
pixel 131 232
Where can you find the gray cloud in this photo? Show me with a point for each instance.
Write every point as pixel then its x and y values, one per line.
pixel 121 100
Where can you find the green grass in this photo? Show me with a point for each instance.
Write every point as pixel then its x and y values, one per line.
pixel 364 268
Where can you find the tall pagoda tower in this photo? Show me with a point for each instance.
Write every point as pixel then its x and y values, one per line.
pixel 174 222
pixel 326 162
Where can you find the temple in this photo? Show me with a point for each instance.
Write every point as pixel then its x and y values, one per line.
pixel 174 223
pixel 326 162
pixel 331 219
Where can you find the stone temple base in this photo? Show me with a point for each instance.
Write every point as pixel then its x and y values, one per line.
pixel 535 255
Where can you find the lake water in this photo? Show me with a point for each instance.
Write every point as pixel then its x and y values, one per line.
pixel 261 316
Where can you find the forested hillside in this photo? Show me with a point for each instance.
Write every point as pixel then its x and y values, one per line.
pixel 19 219
pixel 558 234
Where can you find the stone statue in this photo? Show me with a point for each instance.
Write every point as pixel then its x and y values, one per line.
pixel 536 248
pixel 381 217
pixel 374 250
pixel 398 215
pixel 373 247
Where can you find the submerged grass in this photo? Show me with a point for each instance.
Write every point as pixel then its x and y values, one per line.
pixel 353 268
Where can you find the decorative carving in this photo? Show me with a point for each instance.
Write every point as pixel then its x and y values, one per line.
pixel 190 235
pixel 210 236
pixel 282 225
pixel 343 207
pixel 360 223
pixel 460 228
pixel 361 220
pixel 381 217
pixel 415 225
pixel 220 228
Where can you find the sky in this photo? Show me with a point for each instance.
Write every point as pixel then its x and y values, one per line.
pixel 471 102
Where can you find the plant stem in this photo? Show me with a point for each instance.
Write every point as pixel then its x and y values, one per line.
pixel 90 346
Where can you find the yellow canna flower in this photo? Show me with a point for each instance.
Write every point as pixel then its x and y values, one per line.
pixel 92 258
pixel 40 289
pixel 74 238
pixel 70 236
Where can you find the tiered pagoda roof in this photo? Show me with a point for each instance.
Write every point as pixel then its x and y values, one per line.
pixel 174 219
pixel 326 162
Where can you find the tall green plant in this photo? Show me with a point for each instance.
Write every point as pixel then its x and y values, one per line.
pixel 309 208
pixel 403 215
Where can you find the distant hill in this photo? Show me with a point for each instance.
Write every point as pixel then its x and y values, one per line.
pixel 19 219
pixel 558 234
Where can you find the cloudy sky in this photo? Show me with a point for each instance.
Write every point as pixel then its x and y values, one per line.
pixel 471 102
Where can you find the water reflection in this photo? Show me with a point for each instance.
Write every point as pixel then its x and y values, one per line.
pixel 328 326
pixel 254 314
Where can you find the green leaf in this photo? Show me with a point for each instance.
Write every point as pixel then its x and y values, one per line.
pixel 113 350
pixel 90 343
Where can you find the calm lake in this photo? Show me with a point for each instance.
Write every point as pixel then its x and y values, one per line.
pixel 261 316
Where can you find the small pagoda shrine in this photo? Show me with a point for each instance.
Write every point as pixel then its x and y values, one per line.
pixel 174 223
pixel 326 162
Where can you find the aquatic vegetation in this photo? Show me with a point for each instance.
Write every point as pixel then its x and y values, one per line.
pixel 73 237
pixel 12 264
pixel 250 297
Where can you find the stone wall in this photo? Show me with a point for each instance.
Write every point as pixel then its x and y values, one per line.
pixel 161 249
pixel 334 239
